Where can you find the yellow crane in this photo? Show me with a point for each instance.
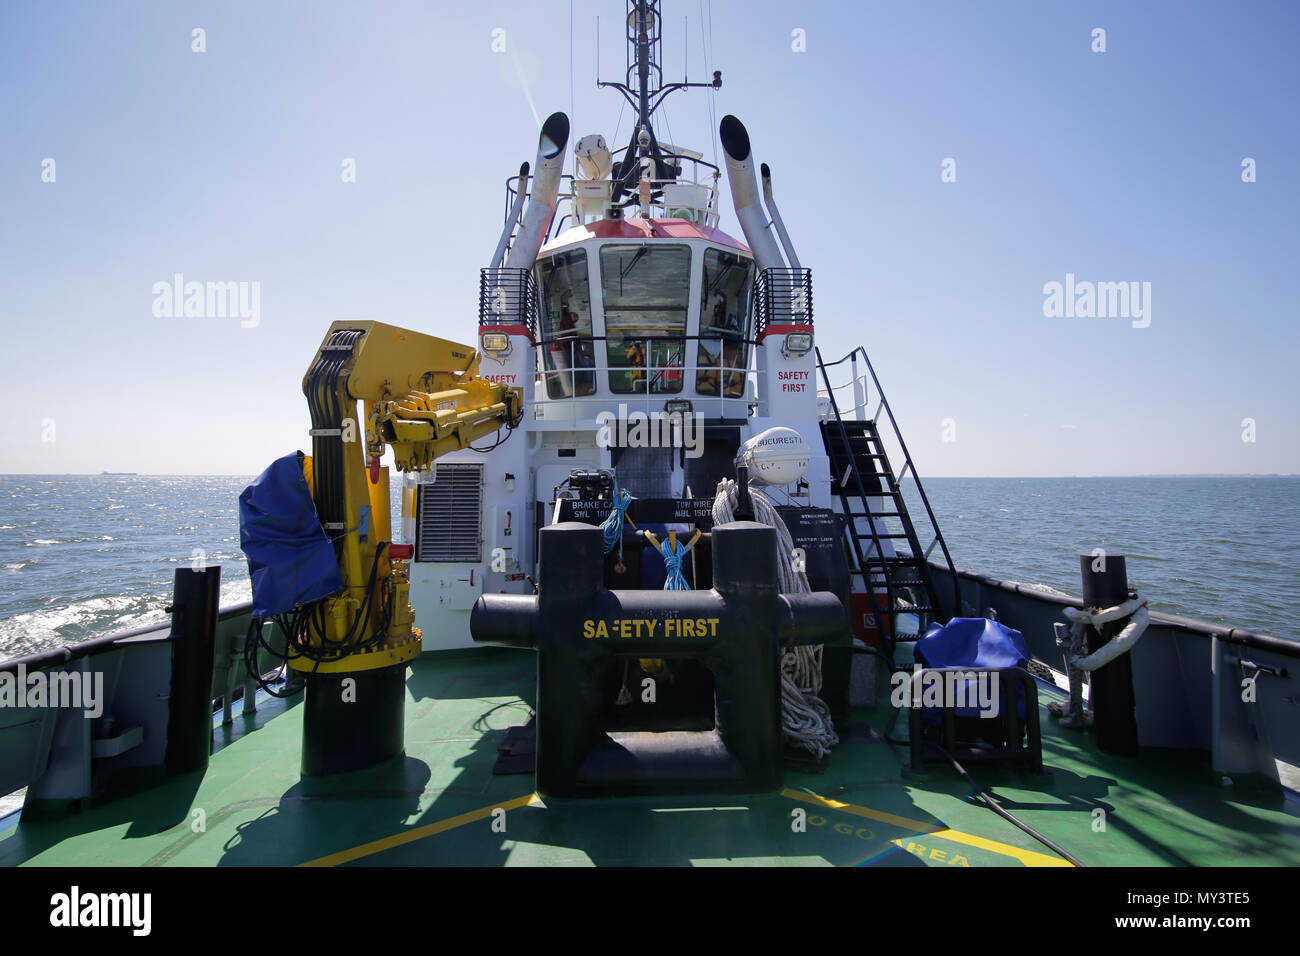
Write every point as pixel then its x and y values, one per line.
pixel 423 398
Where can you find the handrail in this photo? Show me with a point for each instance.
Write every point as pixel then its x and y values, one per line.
pixel 65 653
pixel 604 396
pixel 570 336
pixel 916 478
pixel 907 458
pixel 841 361
pixel 567 193
pixel 878 548
pixel 1288 647
pixel 686 365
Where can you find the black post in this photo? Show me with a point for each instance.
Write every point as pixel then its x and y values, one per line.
pixel 570 711
pixel 1111 685
pixel 744 504
pixel 351 726
pixel 195 602
pixel 747 709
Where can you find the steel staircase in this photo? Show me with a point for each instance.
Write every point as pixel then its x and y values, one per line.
pixel 884 543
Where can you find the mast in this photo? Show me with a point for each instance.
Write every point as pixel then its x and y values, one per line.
pixel 645 90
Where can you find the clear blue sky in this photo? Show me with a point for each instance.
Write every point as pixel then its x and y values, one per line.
pixel 225 166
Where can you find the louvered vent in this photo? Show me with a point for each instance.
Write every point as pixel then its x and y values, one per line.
pixel 450 526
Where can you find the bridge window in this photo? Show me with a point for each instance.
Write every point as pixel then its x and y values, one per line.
pixel 722 358
pixel 646 291
pixel 567 345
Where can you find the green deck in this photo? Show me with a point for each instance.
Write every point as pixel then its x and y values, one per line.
pixel 436 806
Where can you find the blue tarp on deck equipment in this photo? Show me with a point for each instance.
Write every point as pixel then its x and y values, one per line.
pixel 290 560
pixel 972 642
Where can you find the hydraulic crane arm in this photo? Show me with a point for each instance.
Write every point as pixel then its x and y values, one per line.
pixel 423 398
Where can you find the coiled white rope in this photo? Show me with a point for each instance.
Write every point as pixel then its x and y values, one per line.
pixel 804 716
pixel 1073 641
pixel 1121 643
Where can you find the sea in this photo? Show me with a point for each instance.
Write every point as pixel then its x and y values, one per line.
pixel 84 556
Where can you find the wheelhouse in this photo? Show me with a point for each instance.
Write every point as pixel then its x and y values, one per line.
pixel 643 311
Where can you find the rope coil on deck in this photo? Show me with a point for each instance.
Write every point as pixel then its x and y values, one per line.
pixel 805 717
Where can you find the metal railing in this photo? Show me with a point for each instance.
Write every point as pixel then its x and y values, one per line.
pixel 508 297
pixel 567 201
pixel 859 383
pixel 587 387
pixel 705 213
pixel 782 297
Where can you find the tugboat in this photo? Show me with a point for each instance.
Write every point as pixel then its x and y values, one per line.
pixel 656 551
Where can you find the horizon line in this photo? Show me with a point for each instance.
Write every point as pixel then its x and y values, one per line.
pixel 174 474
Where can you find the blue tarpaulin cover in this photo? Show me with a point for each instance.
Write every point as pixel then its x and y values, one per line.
pixel 972 642
pixel 290 560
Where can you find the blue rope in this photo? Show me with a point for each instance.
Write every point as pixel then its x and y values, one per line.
pixel 612 527
pixel 673 565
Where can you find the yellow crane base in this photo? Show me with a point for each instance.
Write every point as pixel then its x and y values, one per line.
pixel 393 651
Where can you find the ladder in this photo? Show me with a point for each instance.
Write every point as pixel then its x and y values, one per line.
pixel 881 533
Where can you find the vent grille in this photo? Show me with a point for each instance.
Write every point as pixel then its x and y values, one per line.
pixel 645 472
pixel 450 525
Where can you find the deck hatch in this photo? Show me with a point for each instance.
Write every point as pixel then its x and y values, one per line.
pixel 450 524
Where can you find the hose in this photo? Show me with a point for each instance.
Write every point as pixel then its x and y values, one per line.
pixel 298 626
pixel 979 792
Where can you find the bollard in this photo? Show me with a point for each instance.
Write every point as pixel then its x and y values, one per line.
pixel 1111 686
pixel 195 600
pixel 580 630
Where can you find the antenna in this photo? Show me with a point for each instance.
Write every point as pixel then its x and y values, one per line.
pixel 644 88
pixel 571 110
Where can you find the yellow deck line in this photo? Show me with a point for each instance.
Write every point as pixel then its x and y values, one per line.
pixel 1027 857
pixel 419 833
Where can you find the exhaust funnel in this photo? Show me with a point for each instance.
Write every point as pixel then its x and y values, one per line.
pixel 546 186
pixel 745 196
